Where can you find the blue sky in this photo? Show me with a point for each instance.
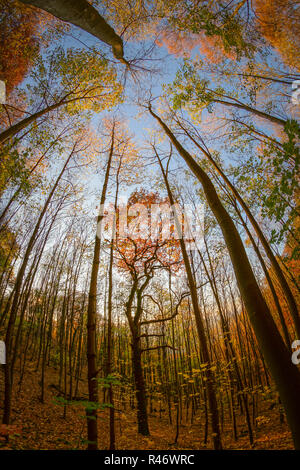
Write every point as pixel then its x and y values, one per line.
pixel 168 66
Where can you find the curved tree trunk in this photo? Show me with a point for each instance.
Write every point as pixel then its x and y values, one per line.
pixel 284 372
pixel 82 14
pixel 272 258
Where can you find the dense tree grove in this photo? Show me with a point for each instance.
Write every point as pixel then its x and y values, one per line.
pixel 149 224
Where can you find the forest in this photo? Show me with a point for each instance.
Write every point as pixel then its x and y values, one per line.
pixel 149 235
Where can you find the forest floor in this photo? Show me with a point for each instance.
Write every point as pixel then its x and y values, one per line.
pixel 39 425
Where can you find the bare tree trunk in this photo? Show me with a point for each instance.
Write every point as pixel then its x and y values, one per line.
pixel 199 324
pixel 82 14
pixel 91 319
pixel 15 302
pixel 142 415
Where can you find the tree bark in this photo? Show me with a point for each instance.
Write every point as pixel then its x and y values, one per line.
pixel 142 415
pixel 82 14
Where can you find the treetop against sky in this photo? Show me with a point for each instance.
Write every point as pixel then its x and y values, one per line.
pixel 149 209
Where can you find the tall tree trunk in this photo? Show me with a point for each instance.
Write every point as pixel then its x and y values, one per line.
pixel 15 301
pixel 91 319
pixel 210 383
pixel 284 372
pixel 272 258
pixel 112 435
pixel 142 415
pixel 82 14
pixel 109 353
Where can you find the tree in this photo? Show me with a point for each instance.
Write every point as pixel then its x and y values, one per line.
pixel 13 309
pixel 272 258
pixel 140 257
pixel 193 92
pixel 83 80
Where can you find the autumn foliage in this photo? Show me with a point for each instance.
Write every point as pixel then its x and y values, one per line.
pixel 279 22
pixel 169 321
pixel 182 43
pixel 140 250
pixel 18 42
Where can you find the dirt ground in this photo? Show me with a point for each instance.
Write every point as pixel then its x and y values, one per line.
pixel 37 425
